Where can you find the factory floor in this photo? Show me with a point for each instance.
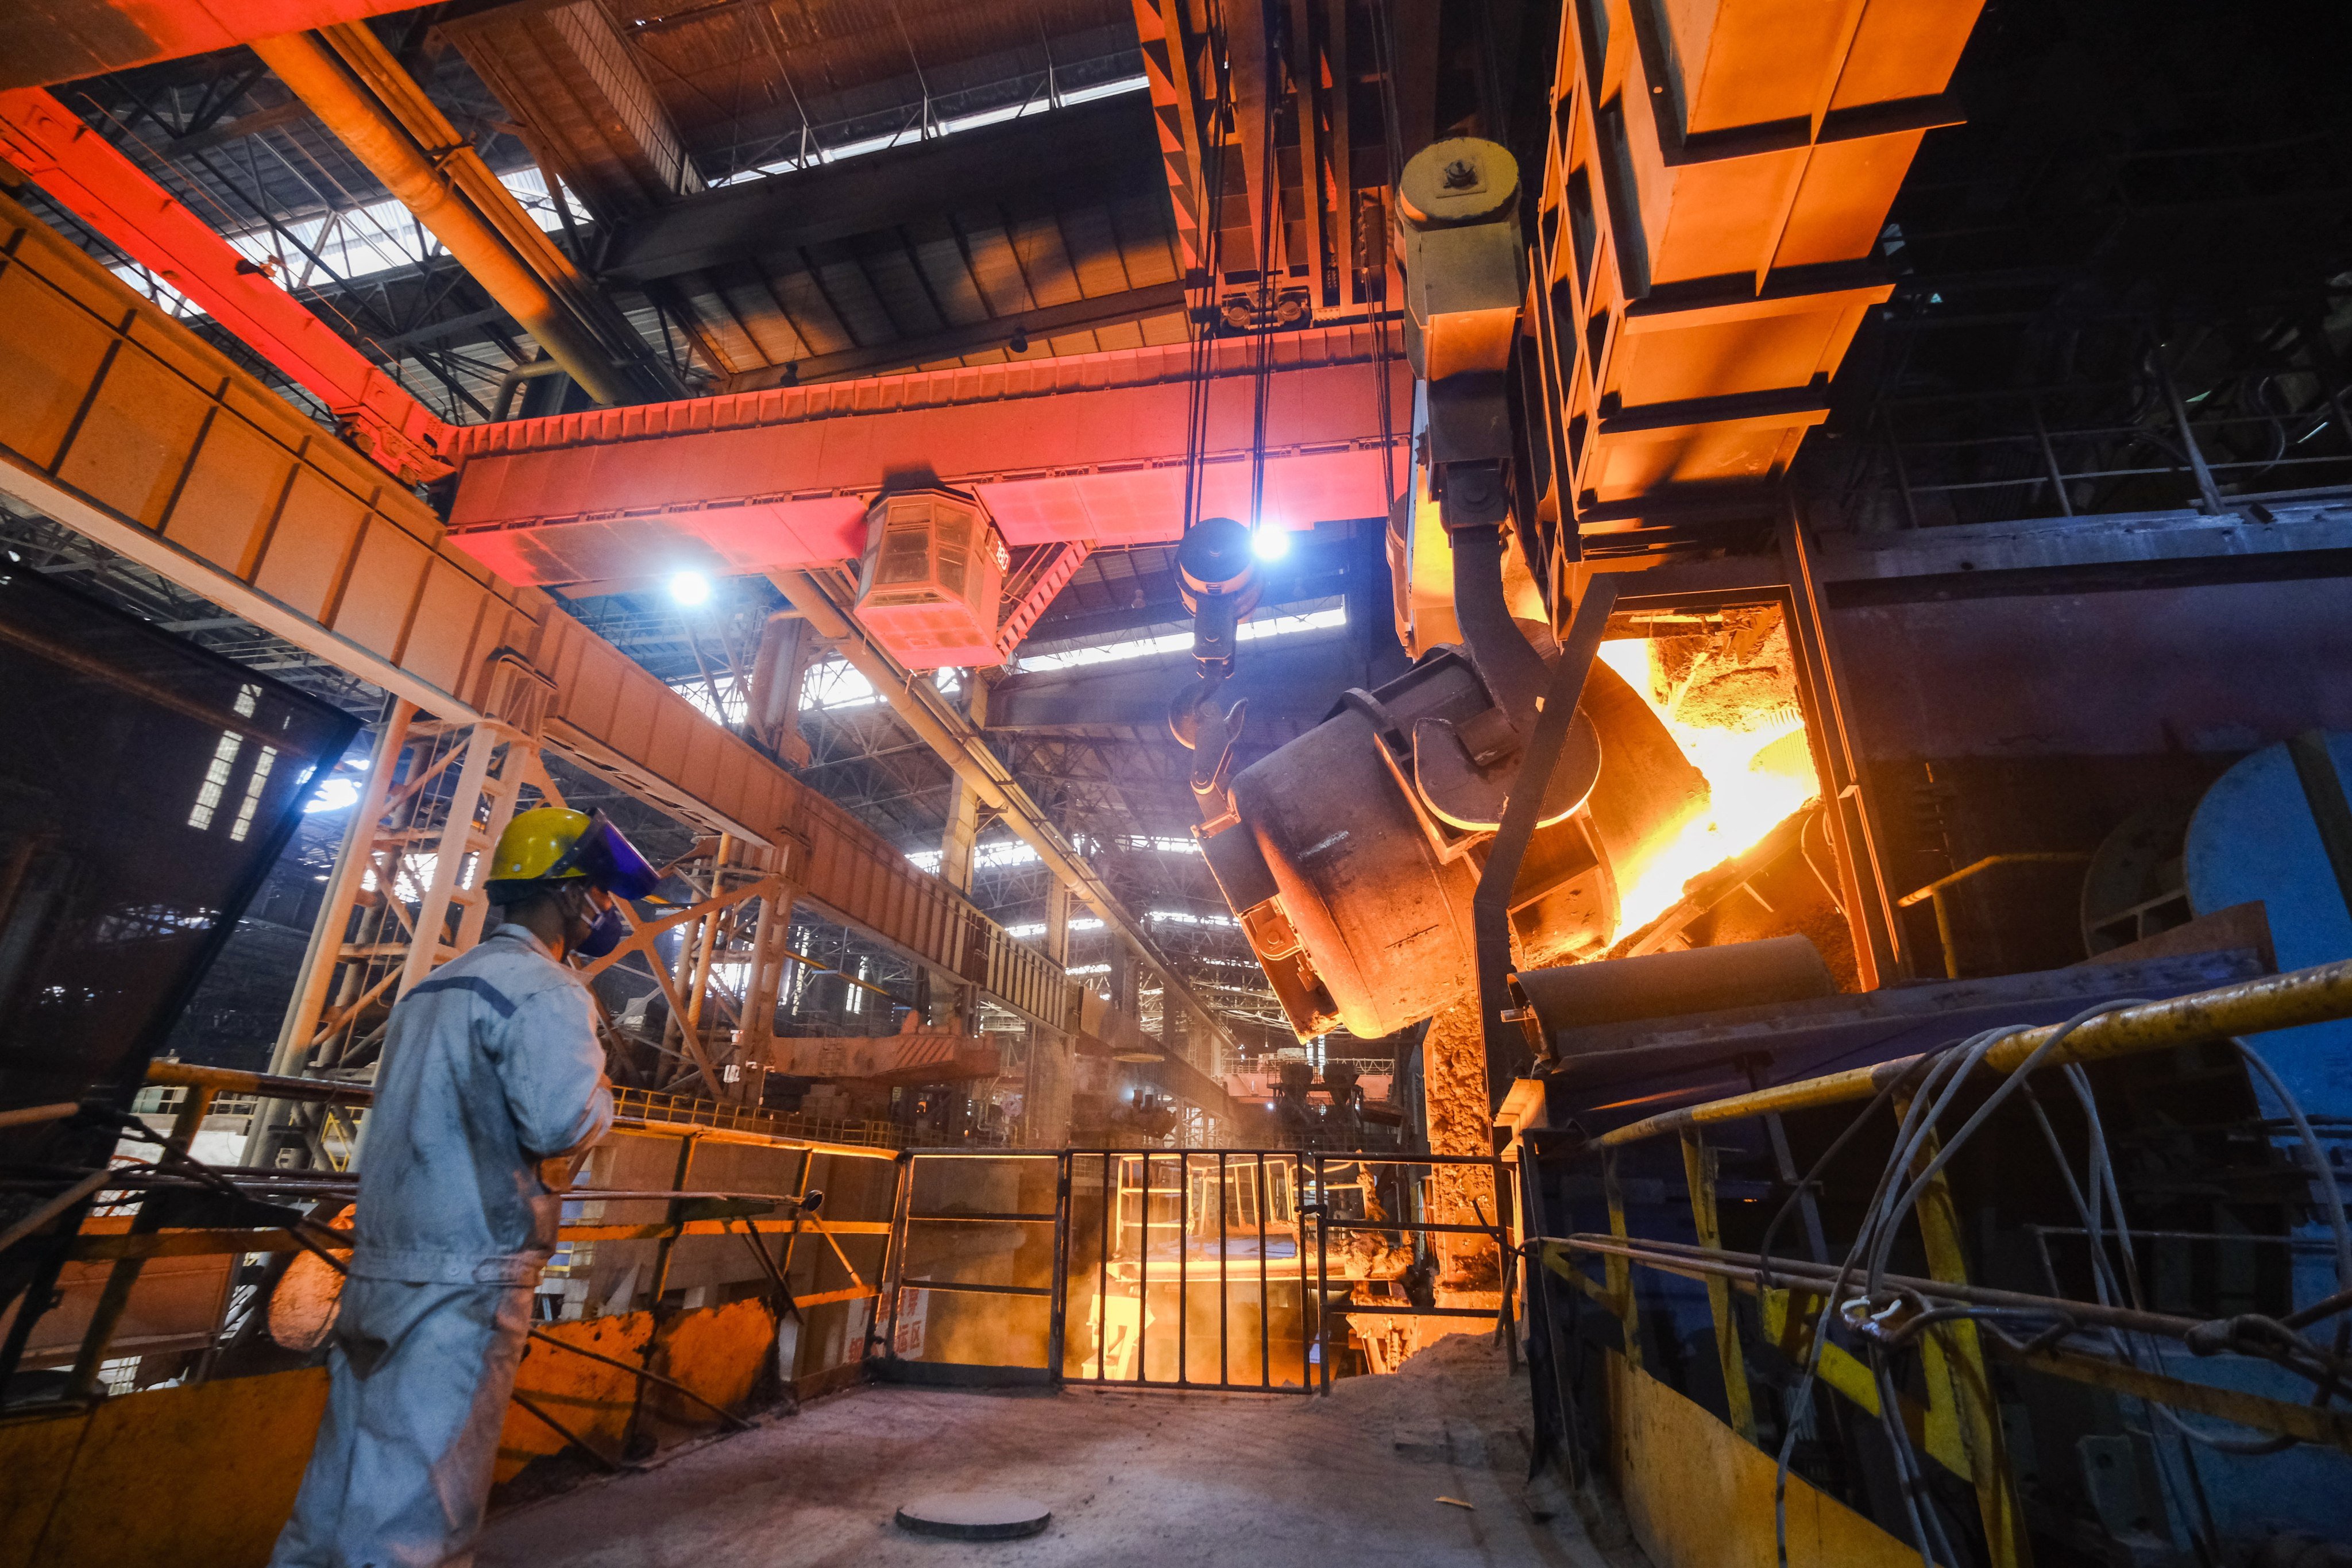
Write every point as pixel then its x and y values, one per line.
pixel 1132 1478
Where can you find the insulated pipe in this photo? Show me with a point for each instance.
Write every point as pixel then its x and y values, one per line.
pixel 502 404
pixel 1513 671
pixel 310 71
pixel 1666 984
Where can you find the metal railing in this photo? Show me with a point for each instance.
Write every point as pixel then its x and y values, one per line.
pixel 188 1093
pixel 1943 1311
pixel 1174 1259
pixel 652 1106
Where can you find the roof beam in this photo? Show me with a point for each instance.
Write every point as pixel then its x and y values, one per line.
pixel 362 94
pixel 595 120
pixel 1088 152
pixel 1077 316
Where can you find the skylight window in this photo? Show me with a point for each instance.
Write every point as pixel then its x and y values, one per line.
pixel 1173 642
pixel 358 243
pixel 818 156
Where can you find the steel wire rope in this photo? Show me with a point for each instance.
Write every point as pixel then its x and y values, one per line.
pixel 1936 1091
pixel 2105 1195
pixel 1201 320
pixel 2124 1344
pixel 1392 138
pixel 1262 379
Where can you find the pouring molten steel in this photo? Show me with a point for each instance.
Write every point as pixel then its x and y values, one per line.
pixel 1728 698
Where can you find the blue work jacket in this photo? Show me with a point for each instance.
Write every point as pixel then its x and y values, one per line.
pixel 490 1066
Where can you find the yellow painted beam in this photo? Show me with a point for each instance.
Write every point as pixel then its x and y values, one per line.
pixel 118 1245
pixel 1698 1169
pixel 122 424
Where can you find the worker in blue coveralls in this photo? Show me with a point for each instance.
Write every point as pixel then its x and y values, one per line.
pixel 492 1079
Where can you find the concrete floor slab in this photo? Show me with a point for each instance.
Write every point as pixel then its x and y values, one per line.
pixel 1147 1480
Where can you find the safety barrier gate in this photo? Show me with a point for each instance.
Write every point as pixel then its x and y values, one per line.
pixel 1201 1268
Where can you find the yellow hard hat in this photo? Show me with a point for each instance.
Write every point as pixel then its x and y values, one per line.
pixel 552 844
pixel 534 841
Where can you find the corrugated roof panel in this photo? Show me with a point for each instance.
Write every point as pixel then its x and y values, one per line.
pixel 1045 260
pixel 1126 335
pixel 1147 239
pixel 735 77
pixel 889 273
pixel 752 310
pixel 804 303
pixel 1093 247
pixel 995 268
pixel 940 254
pixel 860 311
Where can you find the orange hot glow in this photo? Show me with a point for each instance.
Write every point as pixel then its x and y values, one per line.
pixel 1748 741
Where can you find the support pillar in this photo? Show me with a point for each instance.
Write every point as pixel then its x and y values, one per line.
pixel 788 645
pixel 1461 1121
pixel 765 979
pixel 958 840
pixel 1059 901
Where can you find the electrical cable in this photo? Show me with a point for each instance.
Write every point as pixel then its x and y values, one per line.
pixel 2106 1193
pixel 1937 1089
pixel 2205 1531
pixel 1811 1180
pixel 2008 1087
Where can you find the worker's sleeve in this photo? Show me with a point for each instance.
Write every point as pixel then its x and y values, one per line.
pixel 553 1073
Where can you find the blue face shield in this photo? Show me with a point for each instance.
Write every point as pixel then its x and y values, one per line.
pixel 608 860
pixel 604 935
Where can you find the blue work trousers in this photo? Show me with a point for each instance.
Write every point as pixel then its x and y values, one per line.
pixel 401 1471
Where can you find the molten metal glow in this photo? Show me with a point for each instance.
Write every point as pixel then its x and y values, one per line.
pixel 1758 770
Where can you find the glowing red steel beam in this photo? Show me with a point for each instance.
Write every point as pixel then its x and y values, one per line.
pixel 83 174
pixel 1083 448
pixel 64 41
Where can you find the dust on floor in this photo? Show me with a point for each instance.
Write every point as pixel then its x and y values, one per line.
pixel 1148 1480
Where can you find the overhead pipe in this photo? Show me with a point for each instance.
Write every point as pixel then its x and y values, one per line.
pixel 2319 994
pixel 502 401
pixel 312 71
